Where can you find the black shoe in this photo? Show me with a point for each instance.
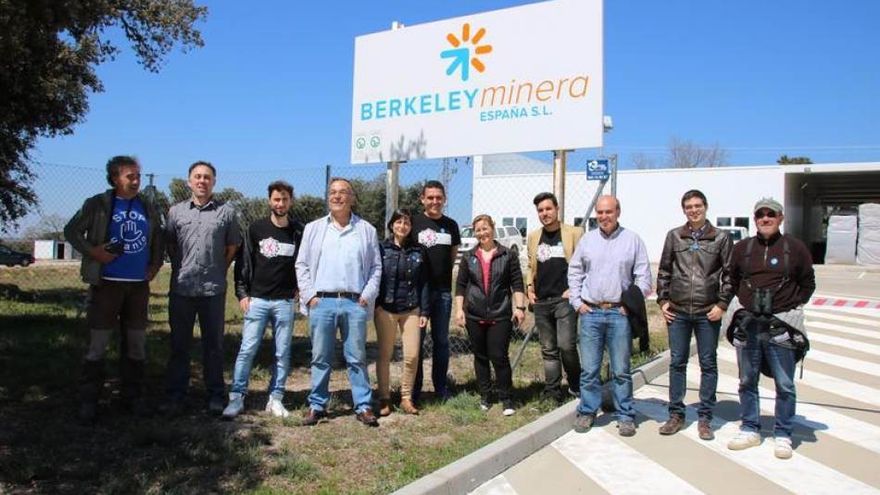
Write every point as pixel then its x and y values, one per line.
pixel 171 408
pixel 87 413
pixel 216 406
pixel 312 417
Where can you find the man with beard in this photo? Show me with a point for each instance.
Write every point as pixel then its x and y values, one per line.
pixel 265 285
pixel 549 249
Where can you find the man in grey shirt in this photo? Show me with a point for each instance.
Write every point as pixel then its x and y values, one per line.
pixel 202 236
pixel 606 262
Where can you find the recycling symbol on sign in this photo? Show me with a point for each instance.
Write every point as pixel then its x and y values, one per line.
pixel 374 141
pixel 360 143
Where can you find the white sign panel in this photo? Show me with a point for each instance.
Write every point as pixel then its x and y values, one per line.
pixel 520 79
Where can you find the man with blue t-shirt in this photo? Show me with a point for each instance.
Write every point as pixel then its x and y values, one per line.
pixel 119 235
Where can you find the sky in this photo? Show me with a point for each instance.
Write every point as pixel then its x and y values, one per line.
pixel 272 87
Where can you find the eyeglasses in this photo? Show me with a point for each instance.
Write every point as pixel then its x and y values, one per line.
pixel 338 192
pixel 765 213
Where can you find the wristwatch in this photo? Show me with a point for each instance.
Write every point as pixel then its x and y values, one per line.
pixel 521 308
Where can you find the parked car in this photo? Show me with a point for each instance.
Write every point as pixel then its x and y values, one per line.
pixel 736 233
pixel 508 236
pixel 9 257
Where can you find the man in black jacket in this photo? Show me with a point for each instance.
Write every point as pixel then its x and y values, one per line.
pixel 693 290
pixel 119 234
pixel 265 284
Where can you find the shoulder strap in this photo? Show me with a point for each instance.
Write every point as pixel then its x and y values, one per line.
pixel 785 258
pixel 747 258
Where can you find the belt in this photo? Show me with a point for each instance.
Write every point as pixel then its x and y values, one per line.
pixel 602 305
pixel 339 295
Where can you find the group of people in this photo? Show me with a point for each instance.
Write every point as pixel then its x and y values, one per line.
pixel 587 292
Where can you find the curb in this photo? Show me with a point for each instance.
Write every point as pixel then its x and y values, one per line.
pixel 476 468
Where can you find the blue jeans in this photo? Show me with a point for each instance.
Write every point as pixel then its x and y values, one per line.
pixel 780 361
pixel 259 314
pixel 350 318
pixel 706 333
pixel 441 310
pixel 598 329
pixel 182 313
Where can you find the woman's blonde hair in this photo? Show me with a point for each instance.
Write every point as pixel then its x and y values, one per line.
pixel 483 218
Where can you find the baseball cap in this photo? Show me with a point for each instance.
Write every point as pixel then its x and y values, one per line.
pixel 769 203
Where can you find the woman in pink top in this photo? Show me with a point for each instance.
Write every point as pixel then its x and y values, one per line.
pixel 489 300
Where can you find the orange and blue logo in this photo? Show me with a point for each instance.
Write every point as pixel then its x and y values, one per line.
pixel 460 53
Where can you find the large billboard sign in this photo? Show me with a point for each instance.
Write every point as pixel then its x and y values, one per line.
pixel 521 79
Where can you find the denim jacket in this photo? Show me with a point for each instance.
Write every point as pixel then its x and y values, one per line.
pixel 404 283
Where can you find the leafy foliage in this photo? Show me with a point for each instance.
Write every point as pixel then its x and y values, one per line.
pixel 48 55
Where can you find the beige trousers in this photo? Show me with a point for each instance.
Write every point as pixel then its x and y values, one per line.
pixel 386 331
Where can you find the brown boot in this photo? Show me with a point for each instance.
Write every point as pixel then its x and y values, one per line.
pixel 672 426
pixel 408 407
pixel 384 407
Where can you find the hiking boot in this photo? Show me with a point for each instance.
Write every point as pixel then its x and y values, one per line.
pixel 783 448
pixel 408 407
pixel 87 413
pixel 744 440
pixel 583 422
pixel 672 426
pixel 216 405
pixel 626 428
pixel 235 407
pixel 276 408
pixel 367 417
pixel 384 407
pixel 704 428
pixel 312 417
pixel 508 408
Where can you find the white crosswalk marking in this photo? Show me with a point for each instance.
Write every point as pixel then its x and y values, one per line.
pixel 830 384
pixel 599 454
pixel 798 474
pixel 602 457
pixel 496 486
pixel 859 332
pixel 821 419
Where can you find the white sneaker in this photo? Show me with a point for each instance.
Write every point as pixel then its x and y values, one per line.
pixel 235 407
pixel 744 440
pixel 277 409
pixel 783 448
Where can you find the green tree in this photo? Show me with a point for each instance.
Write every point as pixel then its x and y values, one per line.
pixel 179 190
pixel 48 54
pixel 307 208
pixel 794 160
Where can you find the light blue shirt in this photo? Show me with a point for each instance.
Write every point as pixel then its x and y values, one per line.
pixel 602 267
pixel 308 260
pixel 339 266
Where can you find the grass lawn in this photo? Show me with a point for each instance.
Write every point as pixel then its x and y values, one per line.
pixel 43 336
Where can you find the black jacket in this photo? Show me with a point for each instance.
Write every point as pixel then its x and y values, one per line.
pixel 243 271
pixel 404 284
pixel 505 278
pixel 693 277
pixel 634 301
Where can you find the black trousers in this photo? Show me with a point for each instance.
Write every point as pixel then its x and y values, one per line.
pixel 490 343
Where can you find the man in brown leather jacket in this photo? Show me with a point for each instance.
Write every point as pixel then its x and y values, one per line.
pixel 693 290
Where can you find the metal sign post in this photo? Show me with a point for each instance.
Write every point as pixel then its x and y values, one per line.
pixel 559 180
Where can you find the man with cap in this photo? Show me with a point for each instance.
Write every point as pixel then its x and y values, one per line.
pixel 772 276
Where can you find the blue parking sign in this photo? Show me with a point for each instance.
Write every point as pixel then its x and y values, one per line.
pixel 597 169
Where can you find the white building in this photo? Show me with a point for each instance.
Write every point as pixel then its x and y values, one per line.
pixel 504 185
pixel 54 250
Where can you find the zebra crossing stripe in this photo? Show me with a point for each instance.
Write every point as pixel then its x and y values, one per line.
pixel 830 384
pixel 842 318
pixel 854 345
pixel 799 474
pixel 820 419
pixel 617 467
pixel 496 486
pixel 813 324
pixel 847 363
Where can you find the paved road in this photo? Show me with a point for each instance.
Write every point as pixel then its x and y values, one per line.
pixel 836 437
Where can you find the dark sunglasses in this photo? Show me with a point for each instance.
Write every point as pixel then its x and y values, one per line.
pixel 765 213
